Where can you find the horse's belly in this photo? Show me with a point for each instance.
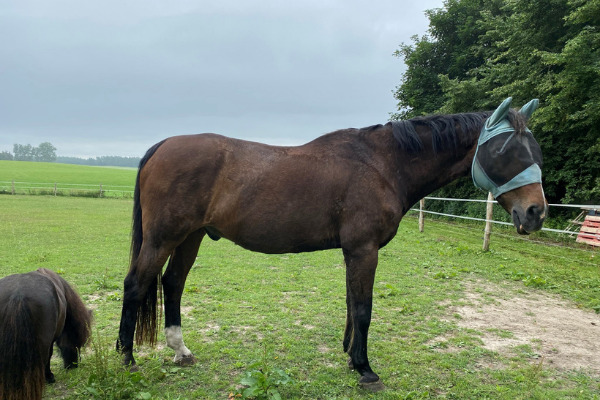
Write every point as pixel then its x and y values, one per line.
pixel 274 238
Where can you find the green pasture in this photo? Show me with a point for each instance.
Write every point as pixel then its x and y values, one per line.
pixel 74 180
pixel 248 313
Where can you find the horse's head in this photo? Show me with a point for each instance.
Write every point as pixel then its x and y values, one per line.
pixel 508 163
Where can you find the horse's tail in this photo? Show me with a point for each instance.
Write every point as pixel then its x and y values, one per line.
pixel 21 358
pixel 146 329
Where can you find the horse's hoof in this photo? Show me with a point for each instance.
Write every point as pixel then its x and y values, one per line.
pixel 185 361
pixel 350 364
pixel 376 386
pixel 131 366
pixel 50 378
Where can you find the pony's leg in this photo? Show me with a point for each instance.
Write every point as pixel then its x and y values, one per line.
pixel 348 329
pixel 139 278
pixel 361 264
pixel 173 281
pixel 47 373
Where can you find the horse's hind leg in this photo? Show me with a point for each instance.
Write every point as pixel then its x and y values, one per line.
pixel 173 281
pixel 137 282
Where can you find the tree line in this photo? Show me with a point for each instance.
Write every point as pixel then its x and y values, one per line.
pixel 478 52
pixel 46 152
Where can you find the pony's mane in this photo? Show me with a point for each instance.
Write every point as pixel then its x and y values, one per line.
pixel 79 319
pixel 447 131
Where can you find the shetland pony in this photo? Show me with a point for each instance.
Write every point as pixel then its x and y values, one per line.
pixel 37 309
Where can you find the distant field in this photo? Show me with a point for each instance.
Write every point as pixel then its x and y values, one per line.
pixel 79 180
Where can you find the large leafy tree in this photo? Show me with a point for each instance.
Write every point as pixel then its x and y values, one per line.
pixel 23 152
pixel 45 152
pixel 480 51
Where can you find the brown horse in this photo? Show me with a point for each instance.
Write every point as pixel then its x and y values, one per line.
pixel 348 189
pixel 37 309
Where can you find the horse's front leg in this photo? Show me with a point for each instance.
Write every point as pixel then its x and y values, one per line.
pixel 173 282
pixel 361 264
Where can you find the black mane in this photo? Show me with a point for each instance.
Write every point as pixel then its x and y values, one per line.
pixel 444 132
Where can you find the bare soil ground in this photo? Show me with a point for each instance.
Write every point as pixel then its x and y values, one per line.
pixel 564 336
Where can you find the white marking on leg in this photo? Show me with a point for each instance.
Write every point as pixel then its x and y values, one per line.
pixel 175 341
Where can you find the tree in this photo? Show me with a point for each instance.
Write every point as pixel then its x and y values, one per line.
pixel 23 152
pixel 45 152
pixel 571 119
pixel 6 155
pixel 449 52
pixel 482 51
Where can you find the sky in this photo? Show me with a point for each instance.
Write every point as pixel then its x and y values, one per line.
pixel 113 77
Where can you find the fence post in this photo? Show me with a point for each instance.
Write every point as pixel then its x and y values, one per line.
pixel 13 187
pixel 488 223
pixel 54 188
pixel 100 189
pixel 421 215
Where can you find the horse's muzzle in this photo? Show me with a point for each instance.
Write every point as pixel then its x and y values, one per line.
pixel 530 220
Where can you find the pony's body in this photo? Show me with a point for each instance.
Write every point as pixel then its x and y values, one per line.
pixel 348 189
pixel 37 309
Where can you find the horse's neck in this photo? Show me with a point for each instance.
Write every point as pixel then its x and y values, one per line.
pixel 426 172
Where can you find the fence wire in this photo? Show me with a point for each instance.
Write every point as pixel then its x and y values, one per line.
pixel 66 189
pixel 558 231
pixel 460 231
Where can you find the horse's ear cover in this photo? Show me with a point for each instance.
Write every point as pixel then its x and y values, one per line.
pixel 500 114
pixel 489 171
pixel 528 109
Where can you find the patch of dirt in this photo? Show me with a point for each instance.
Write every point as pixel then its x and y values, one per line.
pixel 566 337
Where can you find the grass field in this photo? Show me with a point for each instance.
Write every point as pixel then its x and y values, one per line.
pixel 247 312
pixel 80 180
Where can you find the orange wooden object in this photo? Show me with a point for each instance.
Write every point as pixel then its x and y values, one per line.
pixel 590 231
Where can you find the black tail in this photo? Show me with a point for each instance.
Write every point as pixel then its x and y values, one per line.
pixel 146 316
pixel 22 361
pixel 136 229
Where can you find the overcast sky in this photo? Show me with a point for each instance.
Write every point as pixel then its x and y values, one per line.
pixel 113 77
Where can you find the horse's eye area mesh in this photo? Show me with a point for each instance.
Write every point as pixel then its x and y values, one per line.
pixel 506 155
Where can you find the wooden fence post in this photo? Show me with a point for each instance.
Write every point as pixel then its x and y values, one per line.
pixel 55 188
pixel 421 215
pixel 100 189
pixel 488 223
pixel 13 187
